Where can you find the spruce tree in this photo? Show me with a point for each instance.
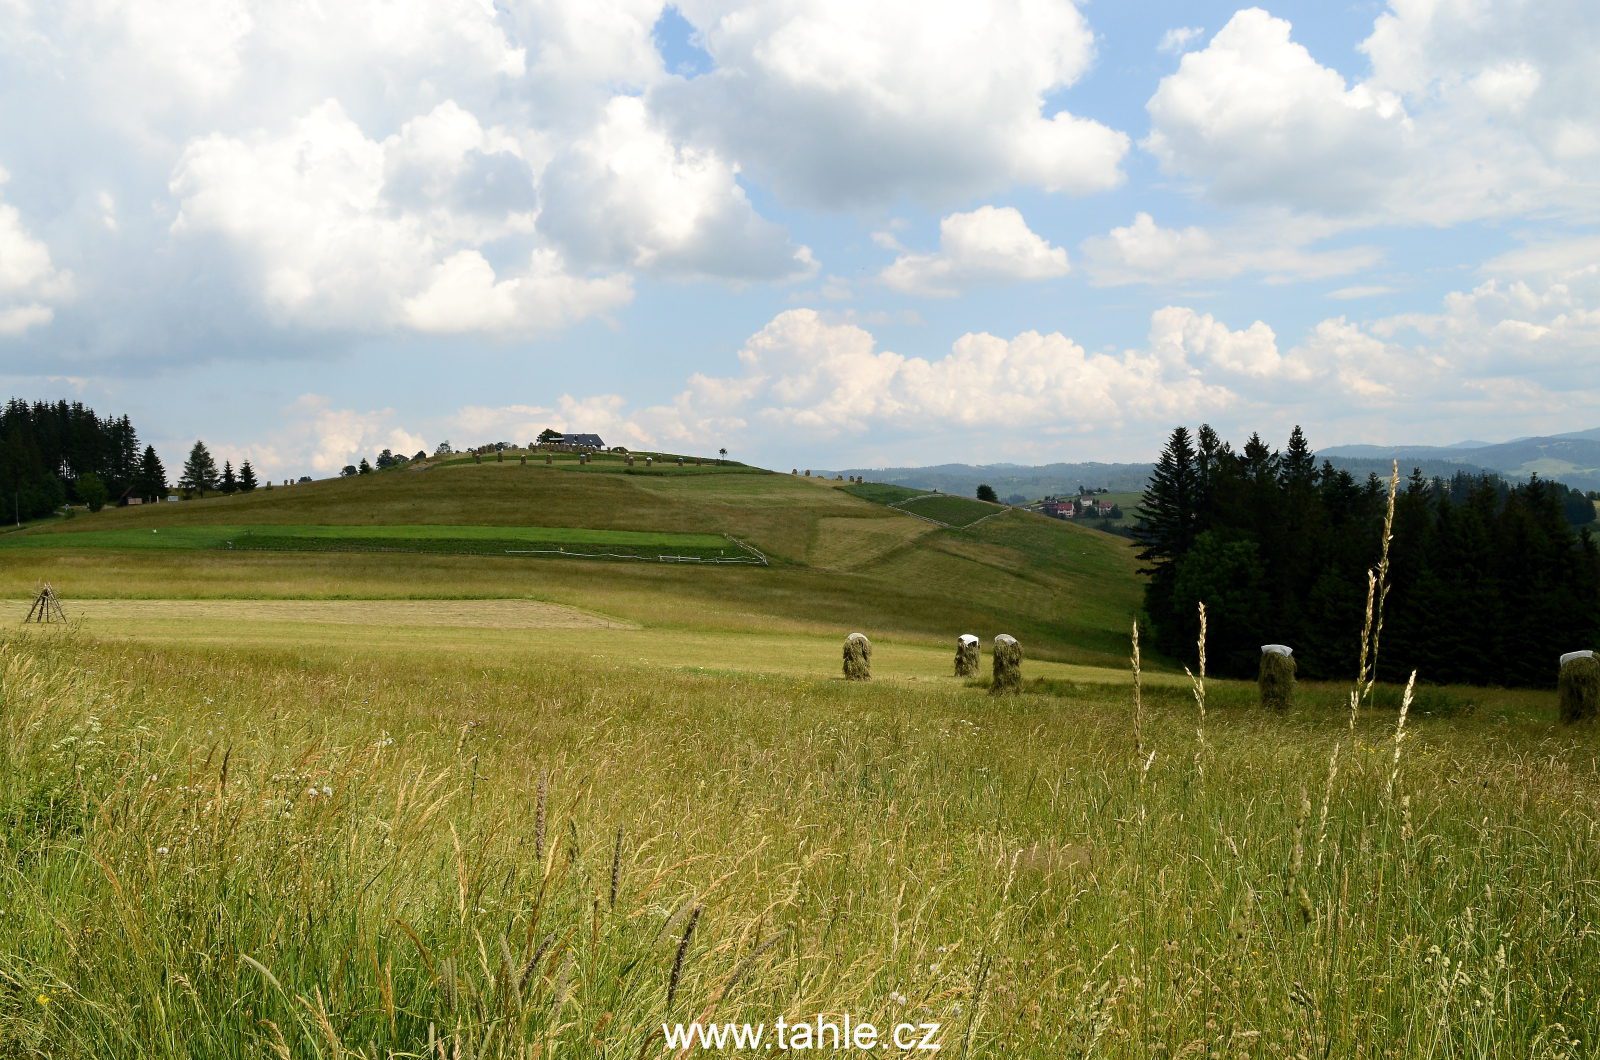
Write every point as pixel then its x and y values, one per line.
pixel 151 484
pixel 1166 530
pixel 229 482
pixel 199 471
pixel 247 477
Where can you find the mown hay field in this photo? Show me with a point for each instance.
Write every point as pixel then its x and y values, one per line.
pixel 320 849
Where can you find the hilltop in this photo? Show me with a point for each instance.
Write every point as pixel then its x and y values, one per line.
pixel 836 561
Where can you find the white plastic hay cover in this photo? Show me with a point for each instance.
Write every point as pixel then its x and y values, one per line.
pixel 966 638
pixel 1571 655
pixel 1276 649
pixel 1005 638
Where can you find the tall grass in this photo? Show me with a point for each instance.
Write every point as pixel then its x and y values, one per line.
pixel 239 853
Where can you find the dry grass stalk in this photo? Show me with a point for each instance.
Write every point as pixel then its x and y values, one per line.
pixel 616 867
pixel 857 657
pixel 1197 684
pixel 1377 594
pixel 1138 698
pixel 1400 733
pixel 539 810
pixel 1327 802
pixel 683 950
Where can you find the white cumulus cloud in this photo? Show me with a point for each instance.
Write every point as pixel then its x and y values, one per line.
pixel 628 195
pixel 1147 252
pixel 835 102
pixel 1471 109
pixel 30 282
pixel 337 230
pixel 990 244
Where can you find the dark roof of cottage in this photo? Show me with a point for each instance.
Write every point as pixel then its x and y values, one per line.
pixel 583 439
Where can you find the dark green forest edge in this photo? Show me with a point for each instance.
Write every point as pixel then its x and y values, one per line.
pixel 1489 581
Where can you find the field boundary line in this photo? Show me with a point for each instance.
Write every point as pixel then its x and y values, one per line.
pixel 760 555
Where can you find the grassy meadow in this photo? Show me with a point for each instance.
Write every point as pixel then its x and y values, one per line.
pixel 357 805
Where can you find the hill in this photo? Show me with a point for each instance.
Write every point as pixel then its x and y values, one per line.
pixel 837 561
pixel 1573 459
pixel 1011 480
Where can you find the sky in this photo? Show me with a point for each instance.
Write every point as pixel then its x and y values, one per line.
pixel 819 233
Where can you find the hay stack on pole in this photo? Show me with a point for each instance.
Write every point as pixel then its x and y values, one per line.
pixel 1276 679
pixel 857 657
pixel 1578 687
pixel 966 655
pixel 46 607
pixel 1007 666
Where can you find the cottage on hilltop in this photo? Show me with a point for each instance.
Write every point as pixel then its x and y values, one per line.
pixel 573 441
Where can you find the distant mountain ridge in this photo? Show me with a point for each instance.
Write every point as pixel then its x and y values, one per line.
pixel 1572 458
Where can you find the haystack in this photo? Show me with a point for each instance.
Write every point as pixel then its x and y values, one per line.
pixel 857 657
pixel 966 655
pixel 1578 687
pixel 1007 666
pixel 1276 679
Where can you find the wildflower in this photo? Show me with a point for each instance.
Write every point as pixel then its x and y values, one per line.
pixel 162 851
pixel 44 999
pixel 327 791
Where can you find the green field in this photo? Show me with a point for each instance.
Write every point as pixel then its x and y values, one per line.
pixel 455 540
pixel 882 492
pixel 353 804
pixel 952 511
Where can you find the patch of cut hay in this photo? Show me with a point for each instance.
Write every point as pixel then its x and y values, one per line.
pixel 1007 666
pixel 1276 681
pixel 1578 689
pixel 966 655
pixel 857 657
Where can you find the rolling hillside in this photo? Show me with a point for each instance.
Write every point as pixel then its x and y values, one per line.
pixel 837 560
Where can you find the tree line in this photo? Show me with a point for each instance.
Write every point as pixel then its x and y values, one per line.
pixel 56 453
pixel 59 453
pixel 1490 580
